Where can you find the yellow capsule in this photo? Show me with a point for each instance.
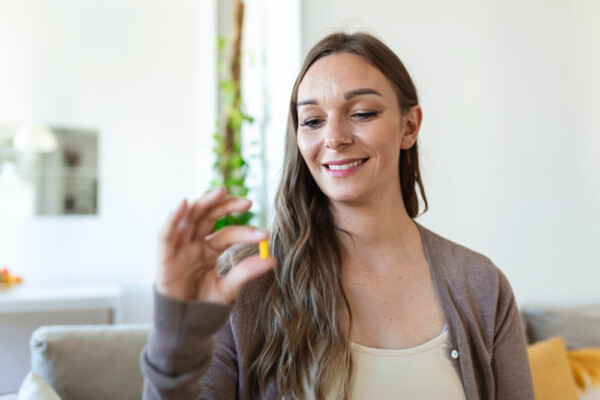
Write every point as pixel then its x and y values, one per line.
pixel 263 248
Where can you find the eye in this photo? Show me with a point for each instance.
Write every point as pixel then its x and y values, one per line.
pixel 365 114
pixel 312 123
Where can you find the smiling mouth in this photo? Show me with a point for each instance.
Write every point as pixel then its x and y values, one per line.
pixel 345 166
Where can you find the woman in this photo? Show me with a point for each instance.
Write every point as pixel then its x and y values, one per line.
pixel 358 301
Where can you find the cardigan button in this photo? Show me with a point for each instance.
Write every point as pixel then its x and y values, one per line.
pixel 454 354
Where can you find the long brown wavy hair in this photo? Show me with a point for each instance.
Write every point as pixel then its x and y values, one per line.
pixel 299 305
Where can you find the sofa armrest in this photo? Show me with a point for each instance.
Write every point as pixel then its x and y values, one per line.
pixel 90 361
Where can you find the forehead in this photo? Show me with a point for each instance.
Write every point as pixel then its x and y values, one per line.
pixel 334 75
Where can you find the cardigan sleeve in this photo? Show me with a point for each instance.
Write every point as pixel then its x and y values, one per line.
pixel 220 382
pixel 510 362
pixel 179 352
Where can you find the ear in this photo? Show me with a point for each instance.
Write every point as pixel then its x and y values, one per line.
pixel 412 123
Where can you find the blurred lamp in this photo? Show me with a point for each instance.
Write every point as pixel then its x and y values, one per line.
pixel 35 138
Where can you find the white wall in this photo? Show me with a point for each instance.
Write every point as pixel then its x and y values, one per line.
pixel 142 74
pixel 130 70
pixel 510 141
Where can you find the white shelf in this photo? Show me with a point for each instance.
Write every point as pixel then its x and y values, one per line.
pixel 61 297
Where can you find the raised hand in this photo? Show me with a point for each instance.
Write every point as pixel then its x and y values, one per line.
pixel 189 251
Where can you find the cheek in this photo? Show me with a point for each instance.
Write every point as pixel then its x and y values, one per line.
pixel 389 137
pixel 309 148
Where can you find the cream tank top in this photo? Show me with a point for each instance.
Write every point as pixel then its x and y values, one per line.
pixel 421 372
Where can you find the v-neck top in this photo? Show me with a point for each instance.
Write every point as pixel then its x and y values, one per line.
pixel 420 372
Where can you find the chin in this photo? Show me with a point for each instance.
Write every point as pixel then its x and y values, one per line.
pixel 347 195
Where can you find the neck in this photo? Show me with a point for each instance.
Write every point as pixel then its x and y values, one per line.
pixel 376 235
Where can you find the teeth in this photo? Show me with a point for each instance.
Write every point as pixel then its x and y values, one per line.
pixel 345 166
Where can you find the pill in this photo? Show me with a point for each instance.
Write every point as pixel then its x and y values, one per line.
pixel 263 248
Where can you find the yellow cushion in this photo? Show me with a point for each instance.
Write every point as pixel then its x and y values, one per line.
pixel 585 365
pixel 552 378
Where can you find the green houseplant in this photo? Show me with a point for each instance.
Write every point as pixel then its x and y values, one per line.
pixel 230 166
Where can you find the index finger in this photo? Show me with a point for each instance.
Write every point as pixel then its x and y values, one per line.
pixel 183 214
pixel 172 225
pixel 205 225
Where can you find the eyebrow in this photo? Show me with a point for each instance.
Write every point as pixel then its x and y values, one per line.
pixel 348 96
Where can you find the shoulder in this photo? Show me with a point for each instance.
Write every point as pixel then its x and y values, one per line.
pixel 456 258
pixel 467 273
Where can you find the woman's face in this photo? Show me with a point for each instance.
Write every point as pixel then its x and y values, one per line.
pixel 350 128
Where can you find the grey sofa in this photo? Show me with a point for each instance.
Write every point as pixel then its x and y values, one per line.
pixel 578 325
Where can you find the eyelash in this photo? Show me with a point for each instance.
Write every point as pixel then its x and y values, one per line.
pixel 360 115
pixel 309 123
pixel 366 115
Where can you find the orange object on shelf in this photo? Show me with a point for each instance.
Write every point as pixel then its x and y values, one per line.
pixel 7 279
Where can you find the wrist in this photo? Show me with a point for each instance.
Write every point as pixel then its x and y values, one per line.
pixel 170 292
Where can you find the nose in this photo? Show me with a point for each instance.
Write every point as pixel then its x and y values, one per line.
pixel 337 135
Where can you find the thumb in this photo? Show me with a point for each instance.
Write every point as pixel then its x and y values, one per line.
pixel 246 270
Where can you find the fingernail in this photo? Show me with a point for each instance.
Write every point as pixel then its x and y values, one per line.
pixel 259 233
